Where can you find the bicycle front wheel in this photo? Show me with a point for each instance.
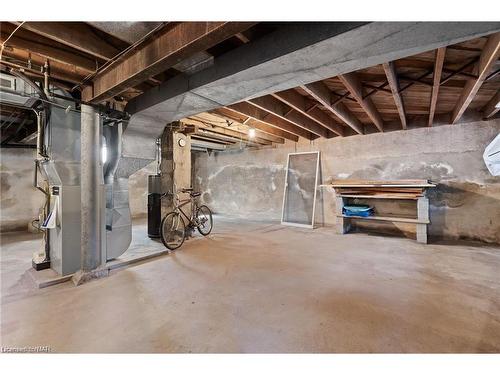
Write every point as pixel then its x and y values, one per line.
pixel 204 220
pixel 172 230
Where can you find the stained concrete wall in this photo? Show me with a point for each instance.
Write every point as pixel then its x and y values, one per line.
pixel 465 204
pixel 20 202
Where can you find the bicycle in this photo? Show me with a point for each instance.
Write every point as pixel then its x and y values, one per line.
pixel 173 227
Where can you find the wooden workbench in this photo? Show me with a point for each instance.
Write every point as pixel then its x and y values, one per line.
pixel 414 190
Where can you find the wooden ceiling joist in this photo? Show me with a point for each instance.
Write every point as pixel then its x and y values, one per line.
pixel 241 126
pixel 438 68
pixel 206 131
pixel 216 125
pixel 58 71
pixel 256 124
pixel 77 35
pixel 278 108
pixel 353 84
pixel 48 49
pixel 174 43
pixel 298 102
pixel 482 68
pixel 320 92
pixel 392 78
pixel 256 113
pixel 206 136
pixel 493 106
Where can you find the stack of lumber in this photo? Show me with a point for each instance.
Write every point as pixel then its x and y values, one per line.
pixel 395 189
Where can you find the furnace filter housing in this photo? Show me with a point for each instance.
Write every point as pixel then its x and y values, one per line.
pixel 154 205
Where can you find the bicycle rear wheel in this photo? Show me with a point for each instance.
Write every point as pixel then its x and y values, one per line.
pixel 204 219
pixel 172 230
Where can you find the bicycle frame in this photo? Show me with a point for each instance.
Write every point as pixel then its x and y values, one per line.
pixel 179 203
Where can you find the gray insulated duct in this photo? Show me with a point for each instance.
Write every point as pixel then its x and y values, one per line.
pixel 131 146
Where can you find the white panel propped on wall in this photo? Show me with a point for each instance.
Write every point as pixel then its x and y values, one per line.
pixel 491 156
pixel 301 183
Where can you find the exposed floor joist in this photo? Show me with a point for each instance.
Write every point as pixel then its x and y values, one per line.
pixel 353 84
pixel 237 126
pixel 290 56
pixel 77 35
pixel 216 125
pixel 270 119
pixel 322 94
pixel 278 108
pixel 49 49
pixel 493 106
pixel 172 44
pixel 392 79
pixel 254 123
pixel 488 58
pixel 438 68
pixel 298 102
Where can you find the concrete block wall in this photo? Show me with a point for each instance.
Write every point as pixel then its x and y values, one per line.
pixel 466 203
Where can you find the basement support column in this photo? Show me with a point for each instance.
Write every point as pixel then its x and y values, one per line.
pixel 92 182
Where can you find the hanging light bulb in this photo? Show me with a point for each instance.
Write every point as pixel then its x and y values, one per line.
pixel 251 133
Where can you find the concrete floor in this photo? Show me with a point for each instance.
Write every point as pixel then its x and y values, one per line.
pixel 261 287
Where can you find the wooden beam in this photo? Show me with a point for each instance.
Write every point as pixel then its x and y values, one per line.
pixel 49 49
pixel 488 58
pixel 58 70
pixel 258 114
pixel 392 78
pixel 256 124
pixel 203 135
pixel 239 126
pixel 355 87
pixel 242 37
pixel 220 125
pixel 300 103
pixel 278 108
pixel 493 106
pixel 221 133
pixel 438 69
pixel 77 35
pixel 320 92
pixel 174 43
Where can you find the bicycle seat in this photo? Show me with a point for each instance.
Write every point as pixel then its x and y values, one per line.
pixel 195 194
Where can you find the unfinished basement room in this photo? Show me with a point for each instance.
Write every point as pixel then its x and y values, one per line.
pixel 250 187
